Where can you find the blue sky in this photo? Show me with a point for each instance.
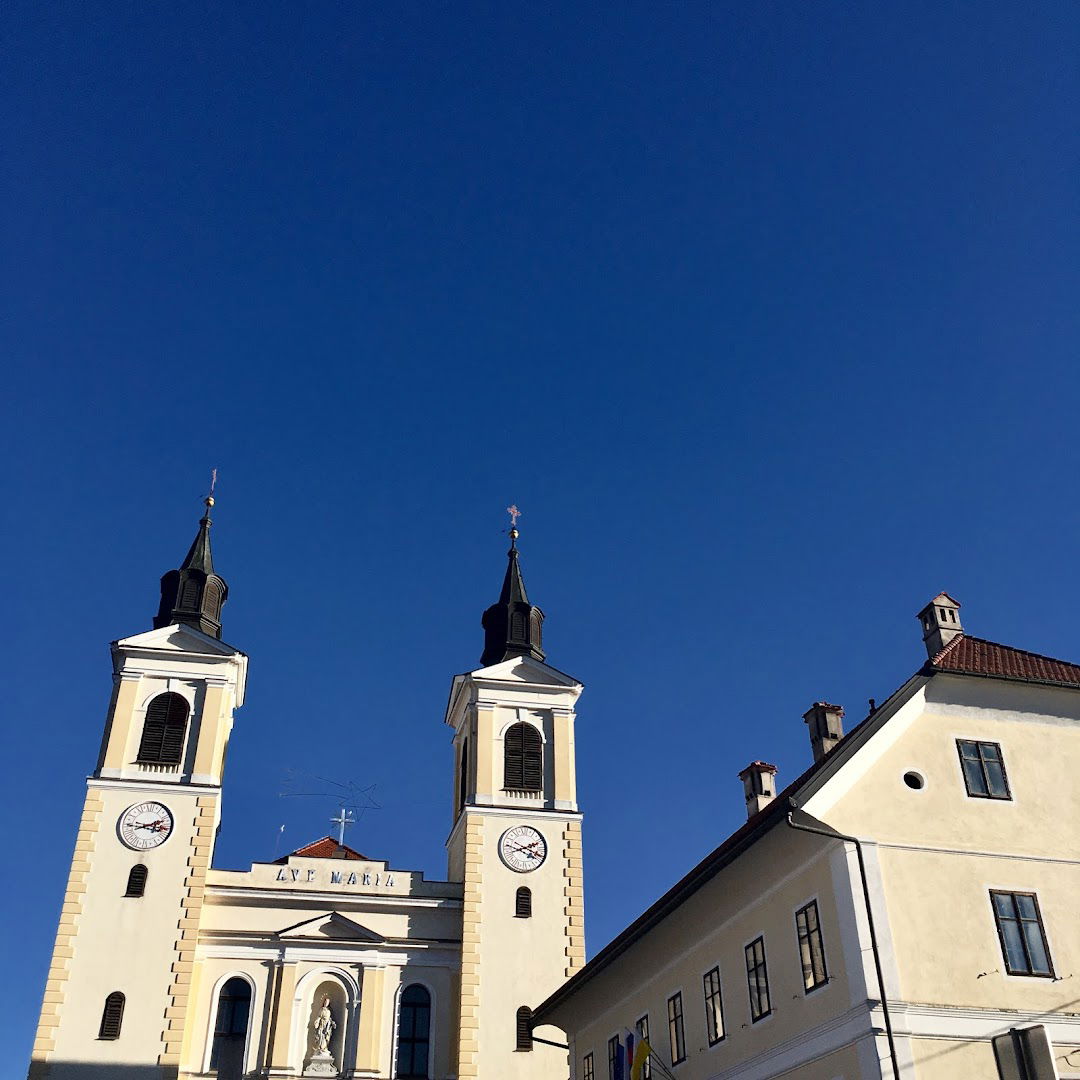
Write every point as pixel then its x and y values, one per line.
pixel 765 315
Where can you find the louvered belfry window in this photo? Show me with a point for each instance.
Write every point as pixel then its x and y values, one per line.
pixel 524 1028
pixel 112 1016
pixel 523 759
pixel 136 883
pixel 164 729
pixel 523 903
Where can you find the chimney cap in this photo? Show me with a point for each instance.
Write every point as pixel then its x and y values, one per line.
pixel 839 709
pixel 758 766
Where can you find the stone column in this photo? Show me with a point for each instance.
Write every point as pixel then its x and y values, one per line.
pixel 281 1020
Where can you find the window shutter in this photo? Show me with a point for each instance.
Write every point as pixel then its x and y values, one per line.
pixel 112 1016
pixel 533 760
pixel 523 903
pixel 524 1028
pixel 136 882
pixel 164 730
pixel 189 595
pixel 513 755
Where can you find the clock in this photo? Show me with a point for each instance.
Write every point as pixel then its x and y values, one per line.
pixel 145 825
pixel 522 848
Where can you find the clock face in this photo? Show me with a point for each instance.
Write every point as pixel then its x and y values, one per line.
pixel 145 825
pixel 522 848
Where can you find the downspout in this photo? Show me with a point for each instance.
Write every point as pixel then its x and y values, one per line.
pixel 832 834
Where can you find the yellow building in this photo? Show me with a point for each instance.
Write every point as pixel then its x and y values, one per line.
pixel 908 907
pixel 324 963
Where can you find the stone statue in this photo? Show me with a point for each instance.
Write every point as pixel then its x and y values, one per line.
pixel 322 1062
pixel 324 1027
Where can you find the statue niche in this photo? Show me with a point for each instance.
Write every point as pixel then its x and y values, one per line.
pixel 325 1031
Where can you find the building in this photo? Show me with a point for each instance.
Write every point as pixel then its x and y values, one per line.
pixel 908 907
pixel 325 962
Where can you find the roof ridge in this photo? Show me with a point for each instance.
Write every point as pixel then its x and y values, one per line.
pixel 950 645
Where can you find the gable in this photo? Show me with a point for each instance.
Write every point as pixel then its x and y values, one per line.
pixel 330 927
pixel 178 638
pixel 524 669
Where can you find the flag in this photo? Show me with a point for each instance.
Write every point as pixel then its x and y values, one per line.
pixel 641 1054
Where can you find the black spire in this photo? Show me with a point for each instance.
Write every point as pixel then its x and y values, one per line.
pixel 512 626
pixel 194 594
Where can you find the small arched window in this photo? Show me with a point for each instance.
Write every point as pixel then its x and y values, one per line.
pixel 523 903
pixel 112 1016
pixel 136 884
pixel 414 1033
pixel 164 729
pixel 523 758
pixel 524 1028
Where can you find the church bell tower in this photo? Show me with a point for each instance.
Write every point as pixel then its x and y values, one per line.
pixel 516 839
pixel 122 969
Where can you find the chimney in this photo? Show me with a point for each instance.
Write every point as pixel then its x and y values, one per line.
pixel 826 723
pixel 940 623
pixel 759 786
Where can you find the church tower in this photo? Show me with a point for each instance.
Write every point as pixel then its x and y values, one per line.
pixel 123 959
pixel 515 841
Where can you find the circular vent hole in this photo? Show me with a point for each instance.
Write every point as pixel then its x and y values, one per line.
pixel 914 780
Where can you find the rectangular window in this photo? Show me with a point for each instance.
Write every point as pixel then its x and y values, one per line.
pixel 642 1027
pixel 984 769
pixel 1020 928
pixel 811 948
pixel 714 1007
pixel 676 1035
pixel 587 1072
pixel 757 979
pixel 612 1055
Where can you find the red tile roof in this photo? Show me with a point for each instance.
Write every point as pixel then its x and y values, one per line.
pixel 326 848
pixel 974 656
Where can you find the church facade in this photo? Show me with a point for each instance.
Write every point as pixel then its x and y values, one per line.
pixel 324 962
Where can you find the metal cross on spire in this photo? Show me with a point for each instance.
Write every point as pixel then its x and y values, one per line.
pixel 514 513
pixel 343 821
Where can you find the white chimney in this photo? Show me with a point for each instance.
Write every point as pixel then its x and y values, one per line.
pixel 940 621
pixel 826 724
pixel 759 786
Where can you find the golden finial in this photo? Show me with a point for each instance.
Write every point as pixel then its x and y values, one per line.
pixel 514 513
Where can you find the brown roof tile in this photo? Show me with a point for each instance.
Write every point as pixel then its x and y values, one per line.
pixel 326 848
pixel 974 656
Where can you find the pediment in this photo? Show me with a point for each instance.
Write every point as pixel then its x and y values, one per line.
pixel 331 927
pixel 178 638
pixel 525 669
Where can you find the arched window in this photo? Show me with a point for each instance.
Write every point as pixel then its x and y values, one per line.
pixel 230 1029
pixel 463 775
pixel 164 729
pixel 524 1028
pixel 136 885
pixel 414 1033
pixel 112 1016
pixel 523 758
pixel 523 903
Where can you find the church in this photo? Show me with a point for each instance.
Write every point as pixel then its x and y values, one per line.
pixel 324 962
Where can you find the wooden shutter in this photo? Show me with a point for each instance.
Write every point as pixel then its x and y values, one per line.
pixel 136 883
pixel 523 759
pixel 164 730
pixel 513 758
pixel 532 759
pixel 112 1016
pixel 524 1028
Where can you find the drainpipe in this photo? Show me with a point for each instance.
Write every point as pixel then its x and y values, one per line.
pixel 832 834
